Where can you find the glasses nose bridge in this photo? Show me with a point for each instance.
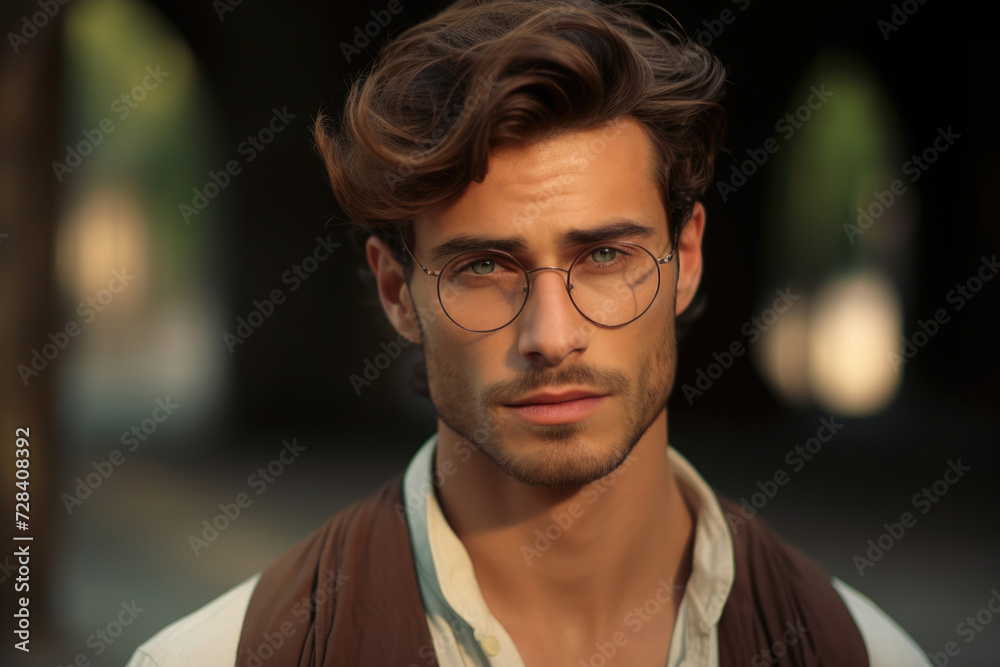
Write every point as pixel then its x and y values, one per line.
pixel 566 282
pixel 530 287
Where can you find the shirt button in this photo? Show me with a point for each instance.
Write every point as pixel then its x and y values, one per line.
pixel 490 644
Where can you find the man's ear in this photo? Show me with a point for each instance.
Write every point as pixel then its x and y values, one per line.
pixel 689 258
pixel 393 291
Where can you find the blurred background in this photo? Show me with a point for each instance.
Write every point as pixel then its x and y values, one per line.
pixel 158 184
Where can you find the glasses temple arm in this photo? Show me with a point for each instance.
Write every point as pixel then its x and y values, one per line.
pixel 417 261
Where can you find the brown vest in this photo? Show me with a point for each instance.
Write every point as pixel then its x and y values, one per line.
pixel 348 595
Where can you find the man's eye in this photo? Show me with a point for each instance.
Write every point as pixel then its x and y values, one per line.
pixel 480 266
pixel 483 266
pixel 603 255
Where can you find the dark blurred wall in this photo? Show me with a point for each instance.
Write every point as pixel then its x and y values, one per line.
pixel 296 367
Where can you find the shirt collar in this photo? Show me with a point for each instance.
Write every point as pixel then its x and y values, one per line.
pixel 713 566
pixel 446 572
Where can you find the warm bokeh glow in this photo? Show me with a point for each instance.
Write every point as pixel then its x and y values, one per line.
pixel 856 322
pixel 782 354
pixel 107 232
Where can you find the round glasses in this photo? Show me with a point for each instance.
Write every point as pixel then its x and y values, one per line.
pixel 610 284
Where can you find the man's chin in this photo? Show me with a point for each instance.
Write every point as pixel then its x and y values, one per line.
pixel 569 462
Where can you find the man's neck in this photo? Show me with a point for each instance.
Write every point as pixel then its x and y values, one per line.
pixel 593 553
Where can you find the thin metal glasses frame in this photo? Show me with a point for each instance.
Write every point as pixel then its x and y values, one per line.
pixel 527 274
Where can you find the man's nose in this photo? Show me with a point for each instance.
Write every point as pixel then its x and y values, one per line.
pixel 550 327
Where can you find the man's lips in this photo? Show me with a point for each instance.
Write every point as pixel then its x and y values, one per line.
pixel 553 397
pixel 557 408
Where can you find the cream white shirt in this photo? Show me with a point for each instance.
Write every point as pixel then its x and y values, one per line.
pixel 464 632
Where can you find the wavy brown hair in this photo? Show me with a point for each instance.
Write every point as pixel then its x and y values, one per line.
pixel 482 75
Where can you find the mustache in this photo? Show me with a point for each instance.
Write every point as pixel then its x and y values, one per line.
pixel 604 380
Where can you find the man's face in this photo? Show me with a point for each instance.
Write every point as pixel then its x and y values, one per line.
pixel 479 382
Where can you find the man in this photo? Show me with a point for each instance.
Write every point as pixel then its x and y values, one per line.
pixel 530 172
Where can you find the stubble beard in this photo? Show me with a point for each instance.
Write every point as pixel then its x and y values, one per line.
pixel 562 460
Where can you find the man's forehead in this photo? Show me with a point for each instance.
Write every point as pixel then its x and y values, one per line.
pixel 540 164
pixel 555 191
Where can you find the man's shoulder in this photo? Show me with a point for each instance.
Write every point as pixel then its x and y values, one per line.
pixel 352 574
pixel 887 643
pixel 354 527
pixel 210 635
pixel 207 637
pixel 757 543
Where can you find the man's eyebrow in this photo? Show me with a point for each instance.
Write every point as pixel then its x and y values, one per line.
pixel 466 242
pixel 608 232
pixel 576 237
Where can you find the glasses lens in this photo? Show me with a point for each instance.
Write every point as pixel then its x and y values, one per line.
pixel 614 283
pixel 482 291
